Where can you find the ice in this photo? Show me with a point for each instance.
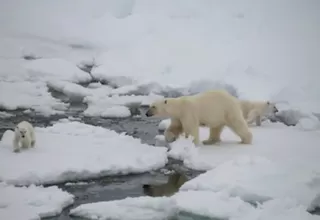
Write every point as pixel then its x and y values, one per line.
pixel 285 157
pixel 103 100
pixel 217 205
pixel 5 115
pixel 180 49
pixel 76 183
pixel 108 112
pixel 164 124
pixel 70 151
pixel 98 105
pixel 146 50
pixel 57 69
pixel 279 209
pixel 25 95
pixel 309 124
pixel 78 92
pixel 202 203
pixel 247 176
pixel 32 203
pixel 141 208
pixel 267 139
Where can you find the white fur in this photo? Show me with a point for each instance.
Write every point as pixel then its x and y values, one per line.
pixel 257 111
pixel 215 109
pixel 24 135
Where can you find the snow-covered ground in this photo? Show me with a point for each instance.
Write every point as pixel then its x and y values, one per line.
pixel 166 47
pixel 32 203
pixel 279 173
pixel 69 151
pixel 196 203
pixel 144 50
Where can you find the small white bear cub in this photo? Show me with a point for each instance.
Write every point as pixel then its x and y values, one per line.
pixel 23 135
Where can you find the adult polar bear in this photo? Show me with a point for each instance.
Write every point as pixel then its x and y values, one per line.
pixel 215 109
pixel 257 111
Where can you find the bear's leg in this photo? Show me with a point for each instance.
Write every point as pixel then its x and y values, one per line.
pixel 33 139
pixel 191 127
pixel 214 135
pixel 252 116
pixel 258 120
pixel 170 136
pixel 241 128
pixel 16 147
pixel 194 132
pixel 173 131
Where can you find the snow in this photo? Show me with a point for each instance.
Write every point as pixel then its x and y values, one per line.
pixel 5 114
pixel 24 95
pixel 288 146
pixel 115 105
pixel 216 205
pixel 279 209
pixel 144 51
pixel 31 203
pixel 69 151
pixel 247 176
pixel 184 48
pixel 57 69
pixel 164 124
pixel 210 204
pixel 142 208
pixel 288 163
pixel 310 123
pixel 108 112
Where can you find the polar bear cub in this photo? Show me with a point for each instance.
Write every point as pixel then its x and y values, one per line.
pixel 256 111
pixel 24 135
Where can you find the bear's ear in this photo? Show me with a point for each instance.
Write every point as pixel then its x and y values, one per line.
pixel 165 101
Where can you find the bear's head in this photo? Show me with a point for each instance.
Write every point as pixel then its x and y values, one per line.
pixel 162 108
pixel 21 132
pixel 271 108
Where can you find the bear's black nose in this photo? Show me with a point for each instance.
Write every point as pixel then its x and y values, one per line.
pixel 146 186
pixel 22 136
pixel 148 113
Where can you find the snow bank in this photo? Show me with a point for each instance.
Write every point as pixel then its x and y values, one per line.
pixel 164 124
pixel 210 204
pixel 199 204
pixel 29 95
pixel 108 112
pixel 290 144
pixel 172 47
pixel 69 151
pixel 246 177
pixel 5 115
pixel 56 69
pixel 284 157
pixel 30 203
pixel 279 209
pixel 105 106
pixel 142 208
